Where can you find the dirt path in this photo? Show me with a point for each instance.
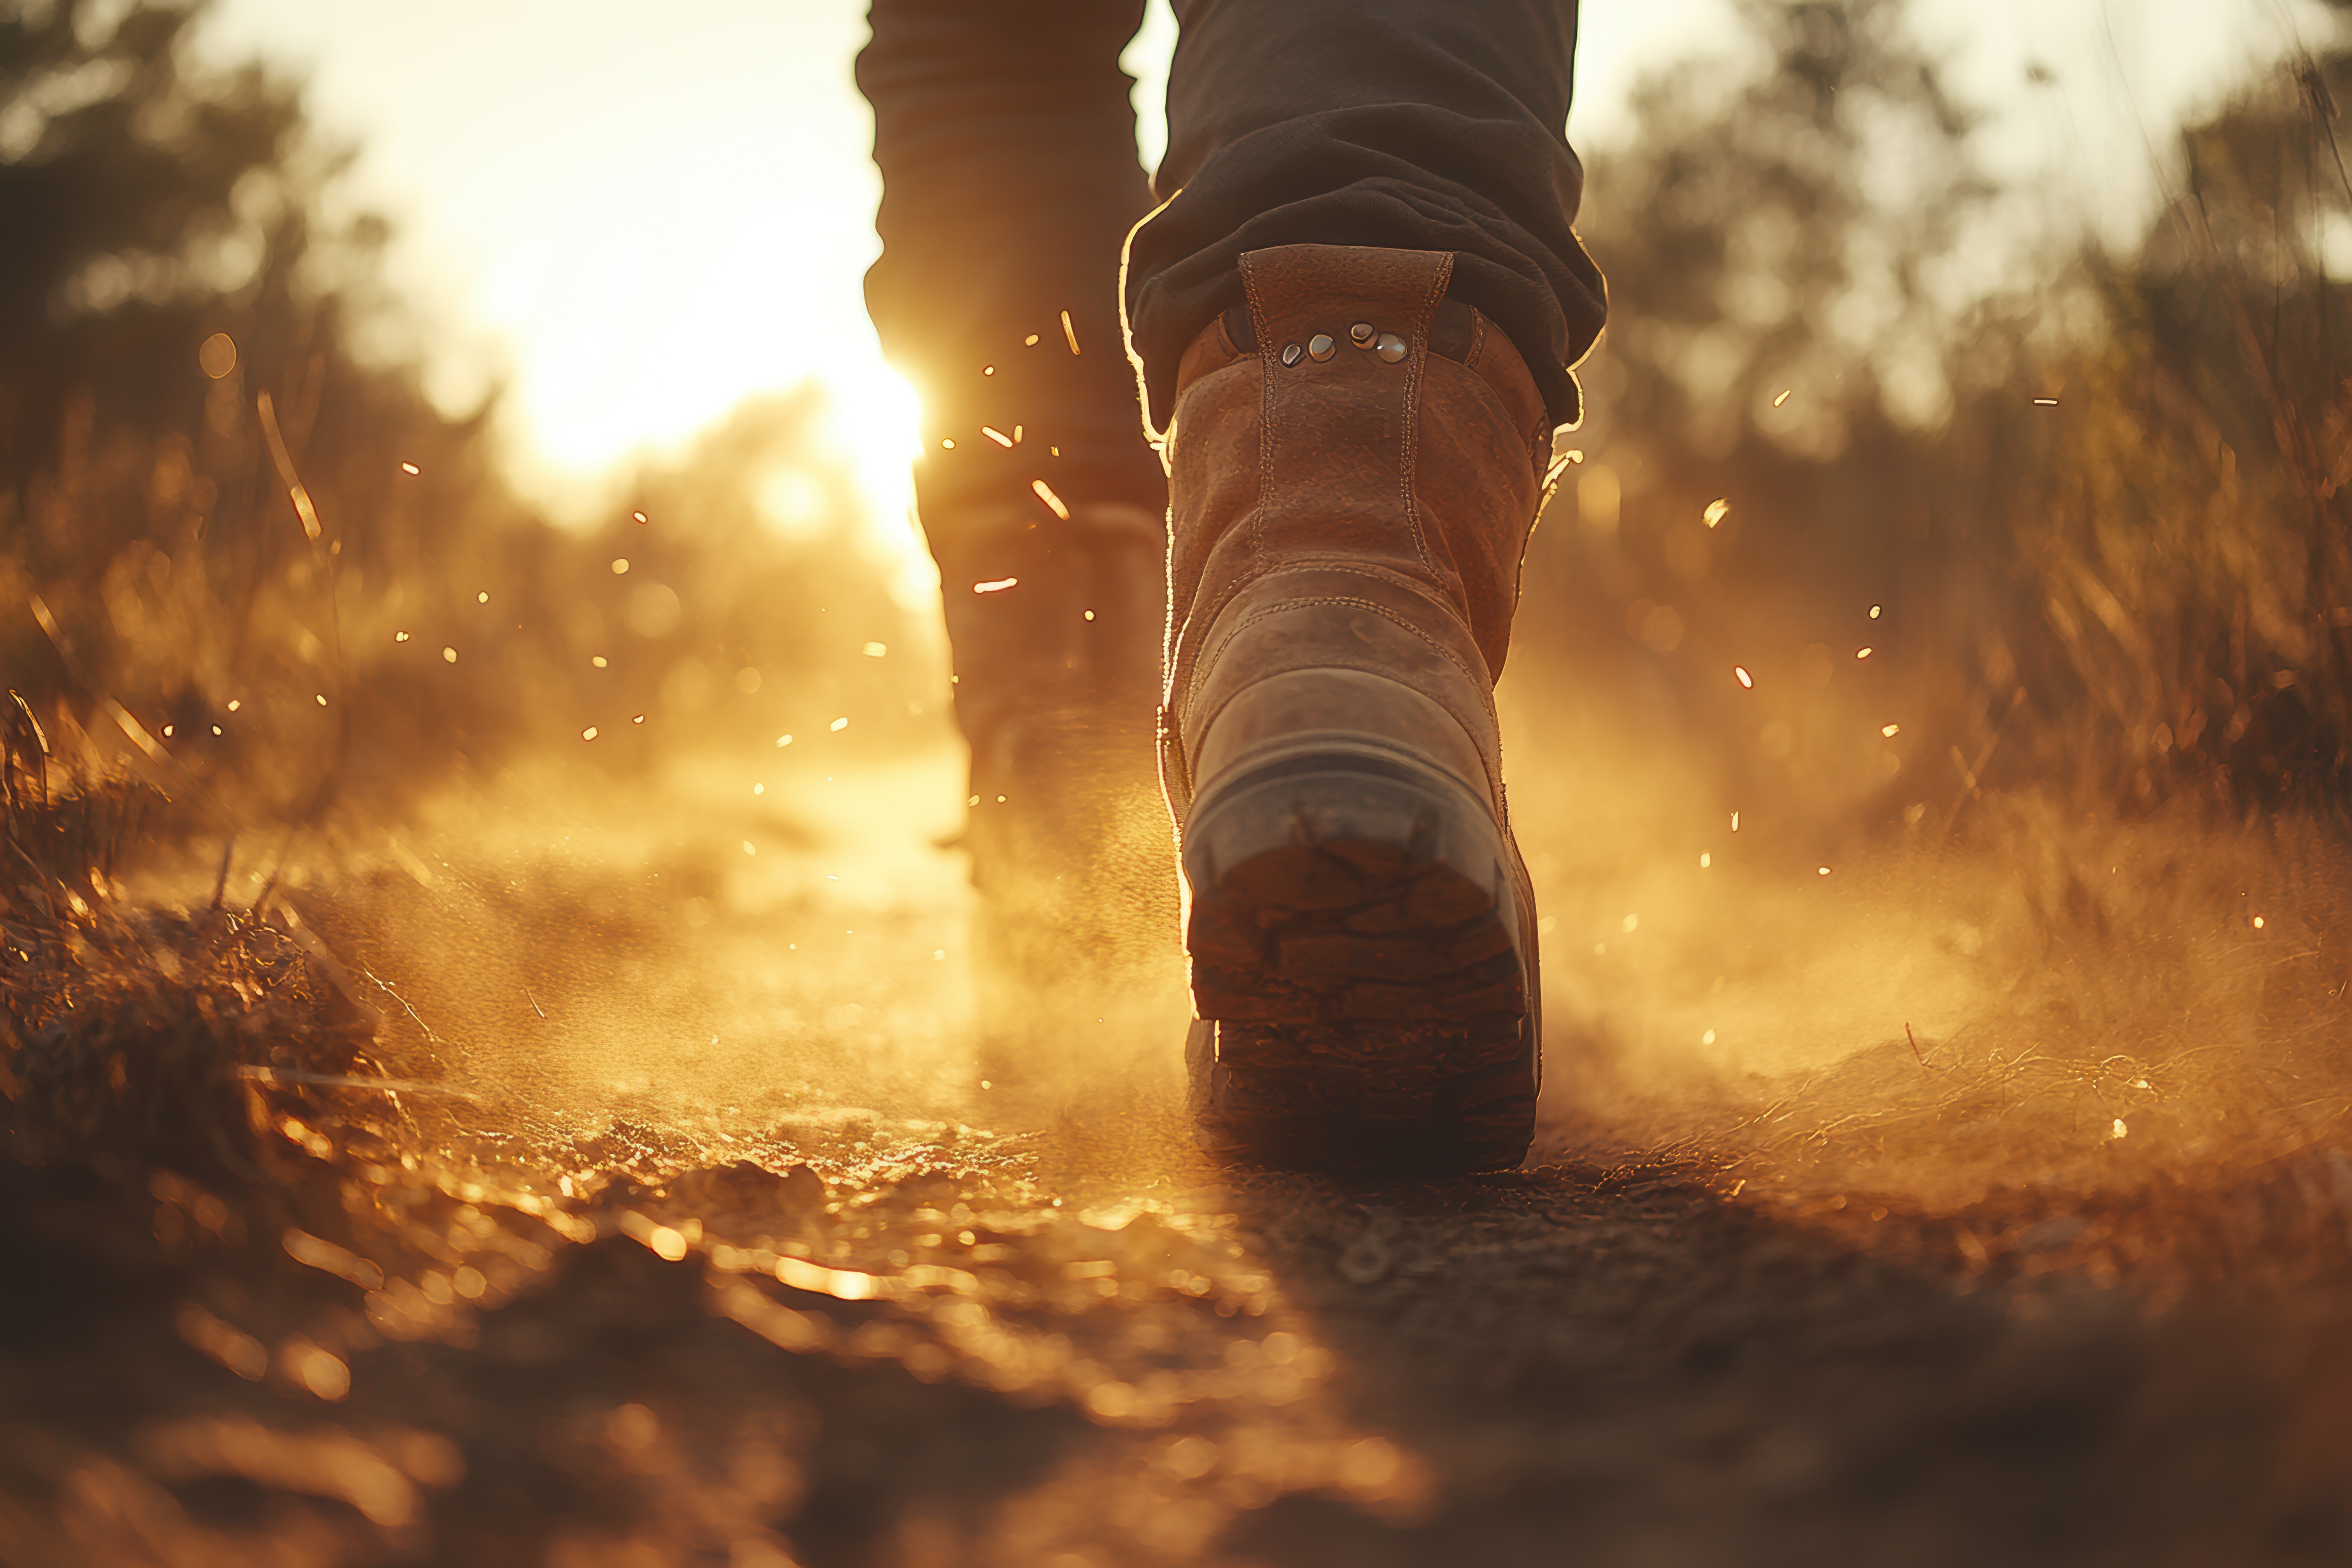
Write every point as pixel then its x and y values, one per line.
pixel 689 1252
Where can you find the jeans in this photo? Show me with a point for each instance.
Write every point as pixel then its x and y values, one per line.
pixel 1006 143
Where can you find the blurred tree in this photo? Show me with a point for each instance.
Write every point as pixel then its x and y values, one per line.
pixel 142 204
pixel 2103 507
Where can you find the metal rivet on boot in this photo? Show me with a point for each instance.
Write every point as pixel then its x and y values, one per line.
pixel 1362 333
pixel 1390 347
pixel 1320 347
pixel 1290 353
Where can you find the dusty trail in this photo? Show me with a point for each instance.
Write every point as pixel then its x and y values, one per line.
pixel 697 1244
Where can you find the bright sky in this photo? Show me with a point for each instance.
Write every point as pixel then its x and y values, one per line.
pixel 636 214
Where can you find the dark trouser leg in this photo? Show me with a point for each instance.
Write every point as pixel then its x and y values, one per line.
pixel 1409 124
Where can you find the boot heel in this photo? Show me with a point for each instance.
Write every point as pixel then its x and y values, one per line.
pixel 1364 960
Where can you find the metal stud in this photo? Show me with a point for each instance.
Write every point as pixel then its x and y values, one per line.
pixel 1390 347
pixel 1290 353
pixel 1361 335
pixel 1320 347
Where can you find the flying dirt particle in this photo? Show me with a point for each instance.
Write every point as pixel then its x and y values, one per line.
pixel 1069 333
pixel 2045 403
pixel 1735 822
pixel 974 801
pixel 1030 341
pixel 409 469
pixel 1890 731
pixel 216 729
pixel 839 725
pixel 759 789
pixel 637 719
pixel 1716 510
pixel 1054 503
pixel 985 1084
pixel 448 655
pixel 400 636
pixel 938 954
pixel 563 1185
pixel 1874 610
pixel 167 732
pixel 620 566
pixel 2120 1130
pixel 483 597
pixel 987 370
pixel 1090 614
pixel 1864 653
pixel 589 733
pixel 1824 870
pixel 1707 1038
pixel 750 848
pixel 1000 800
pixel 1747 681
pixel 876 650
pixel 2257 919
pixel 235 703
pixel 667 1244
pixel 321 1371
pixel 946 444
pixel 321 696
pixel 597 660
pixel 641 517
pixel 1632 924
pixel 1784 397
pixel 995 585
pixel 998 437
pixel 1705 861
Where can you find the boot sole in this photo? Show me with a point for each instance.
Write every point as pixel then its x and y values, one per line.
pixel 1363 963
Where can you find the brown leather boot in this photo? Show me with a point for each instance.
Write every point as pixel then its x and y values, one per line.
pixel 1056 623
pixel 1355 463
